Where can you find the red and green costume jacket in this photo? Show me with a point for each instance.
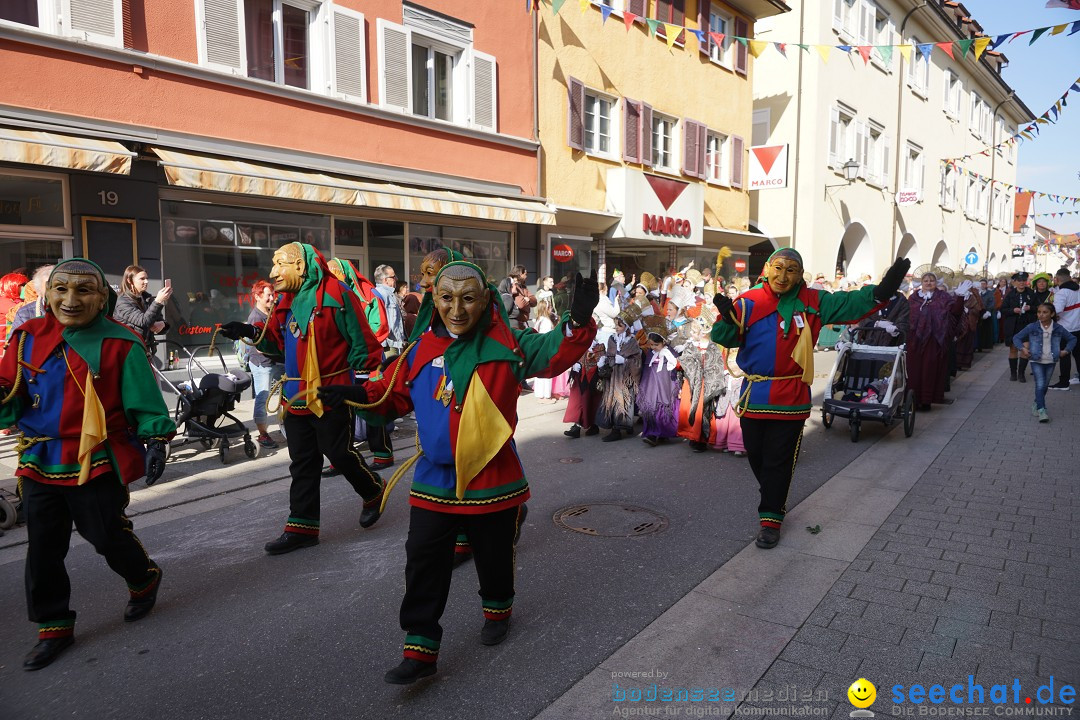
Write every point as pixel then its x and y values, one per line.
pixel 50 405
pixel 323 333
pixel 465 393
pixel 776 337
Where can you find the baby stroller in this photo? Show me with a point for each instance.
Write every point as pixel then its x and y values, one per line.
pixel 202 406
pixel 869 382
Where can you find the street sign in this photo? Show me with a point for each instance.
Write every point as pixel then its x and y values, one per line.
pixel 972 258
pixel 740 266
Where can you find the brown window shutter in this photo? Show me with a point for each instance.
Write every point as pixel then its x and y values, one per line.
pixel 125 13
pixel 742 29
pixel 646 134
pixel 703 146
pixel 704 8
pixel 678 8
pixel 638 7
pixel 737 151
pixel 631 130
pixel 575 115
pixel 691 165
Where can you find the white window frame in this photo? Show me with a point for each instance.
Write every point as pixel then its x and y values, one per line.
pixel 874 154
pixel 665 161
pixel 914 168
pixel 59 232
pixel 722 54
pixel 614 138
pixel 952 96
pixel 846 15
pixel 55 18
pixel 842 133
pixel 971 198
pixel 975 114
pixel 458 79
pixel 948 188
pixel 718 167
pixel 918 78
pixel 984 199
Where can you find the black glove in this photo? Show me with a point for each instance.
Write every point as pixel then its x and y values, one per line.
pixel 336 395
pixel 724 305
pixel 155 460
pixel 890 281
pixel 585 297
pixel 236 330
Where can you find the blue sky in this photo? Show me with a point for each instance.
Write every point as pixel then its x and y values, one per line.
pixel 1040 74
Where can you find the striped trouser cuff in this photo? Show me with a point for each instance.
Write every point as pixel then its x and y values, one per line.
pixel 497 609
pixel 145 588
pixel 424 649
pixel 56 629
pixel 300 526
pixel 771 520
pixel 461 544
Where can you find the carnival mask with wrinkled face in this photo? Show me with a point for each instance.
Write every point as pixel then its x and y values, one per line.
pixel 783 274
pixel 460 302
pixel 337 270
pixel 75 299
pixel 289 267
pixel 428 270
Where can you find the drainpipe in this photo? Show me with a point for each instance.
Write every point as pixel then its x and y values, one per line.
pixel 798 127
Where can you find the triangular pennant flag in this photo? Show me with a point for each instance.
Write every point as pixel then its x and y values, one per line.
pixel 905 52
pixel 628 19
pixel 717 38
pixel 1018 34
pixel 823 51
pixel 1058 29
pixel 653 25
pixel 556 6
pixel 964 46
pixel 947 47
pixel 757 46
pixel 1042 120
pixel 1075 86
pixel 1027 135
pixel 671 34
pixel 845 48
pixel 584 4
pixel 743 41
pixel 925 49
pixel 1037 34
pixel 998 40
pixel 980 46
pixel 1055 111
pixel 781 48
pixel 886 52
pixel 605 13
pixel 702 37
pixel 804 47
pixel 864 50
pixel 1075 27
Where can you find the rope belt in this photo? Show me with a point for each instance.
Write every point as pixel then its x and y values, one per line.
pixel 278 388
pixel 743 403
pixel 24 443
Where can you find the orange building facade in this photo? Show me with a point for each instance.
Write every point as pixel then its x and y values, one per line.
pixel 194 137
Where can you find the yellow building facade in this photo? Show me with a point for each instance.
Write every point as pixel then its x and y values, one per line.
pixel 644 137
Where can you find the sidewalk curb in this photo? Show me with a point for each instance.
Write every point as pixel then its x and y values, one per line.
pixel 732 627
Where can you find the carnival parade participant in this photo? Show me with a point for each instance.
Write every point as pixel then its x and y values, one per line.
pixel 82 392
pixel 620 368
pixel 584 395
pixel 703 379
pixel 775 325
pixel 931 317
pixel 726 431
pixel 658 393
pixel 321 330
pixel 1017 311
pixel 461 378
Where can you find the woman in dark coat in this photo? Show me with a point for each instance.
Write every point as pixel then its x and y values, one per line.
pixel 138 309
pixel 1017 312
pixel 931 322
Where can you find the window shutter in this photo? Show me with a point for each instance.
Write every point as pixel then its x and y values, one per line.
pixel 862 37
pixel 485 106
pixel 736 161
pixel 646 134
pixel 838 15
pixel 221 34
pixel 347 76
pixel 638 7
pixel 395 66
pixel 742 29
pixel 886 160
pixel 703 146
pixel 834 135
pixel 862 148
pixel 679 18
pixel 704 8
pixel 631 130
pixel 99 21
pixel 946 98
pixel 575 115
pixel 691 166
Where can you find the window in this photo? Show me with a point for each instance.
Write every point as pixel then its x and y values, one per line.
pixel 717 158
pixel 599 131
pixel 918 70
pixel 720 23
pixel 842 136
pixel 998 208
pixel 948 187
pixel 977 112
pixel 429 67
pixel 954 90
pixel 270 25
pixel 875 161
pixel 984 199
pixel 637 131
pixel 875 28
pixel 663 142
pixel 762 127
pixel 971 198
pixel 96 21
pixel 23 12
pixel 673 12
pixel 846 18
pixel 913 168
pixel 34 202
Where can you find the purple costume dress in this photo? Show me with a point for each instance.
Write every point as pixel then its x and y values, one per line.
pixel 658 395
pixel 927 345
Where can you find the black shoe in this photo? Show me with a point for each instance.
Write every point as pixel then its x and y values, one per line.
pixel 139 608
pixel 409 671
pixel 615 434
pixel 494 631
pixel 1059 386
pixel 289 542
pixel 523 512
pixel 372 511
pixel 1022 377
pixel 1012 376
pixel 650 441
pixel 698 447
pixel 46 651
pixel 767 538
pixel 330 471
pixel 594 430
pixel 573 432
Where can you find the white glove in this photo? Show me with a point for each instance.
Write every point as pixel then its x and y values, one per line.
pixel 577 367
pixel 888 327
pixel 986 314
pixel 602 361
pixel 620 360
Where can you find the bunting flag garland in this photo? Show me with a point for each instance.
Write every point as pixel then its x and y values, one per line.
pixel 1052 197
pixel 756 47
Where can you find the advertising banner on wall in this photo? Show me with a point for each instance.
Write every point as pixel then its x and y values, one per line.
pixel 655 207
pixel 768 167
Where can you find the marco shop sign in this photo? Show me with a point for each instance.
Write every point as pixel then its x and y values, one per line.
pixel 768 167
pixel 654 207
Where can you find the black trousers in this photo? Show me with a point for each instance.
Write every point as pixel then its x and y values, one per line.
pixel 429 564
pixel 379 441
pixel 97 509
pixel 1066 362
pixel 310 438
pixel 772 447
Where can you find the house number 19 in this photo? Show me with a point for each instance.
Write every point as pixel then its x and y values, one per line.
pixel 109 197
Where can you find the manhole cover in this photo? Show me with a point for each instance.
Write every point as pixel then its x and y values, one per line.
pixel 610 520
pixel 570 460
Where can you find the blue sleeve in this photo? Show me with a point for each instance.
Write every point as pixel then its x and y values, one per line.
pixel 1020 337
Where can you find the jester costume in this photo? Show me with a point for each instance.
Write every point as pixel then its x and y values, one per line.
pixel 85 401
pixel 324 335
pixel 775 335
pixel 464 391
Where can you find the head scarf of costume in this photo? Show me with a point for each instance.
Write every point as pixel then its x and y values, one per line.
pixel 427 306
pixel 312 296
pixel 87 340
pixel 480 344
pixel 789 303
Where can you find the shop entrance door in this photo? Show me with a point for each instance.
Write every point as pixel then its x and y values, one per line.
pixel 355 255
pixel 111 243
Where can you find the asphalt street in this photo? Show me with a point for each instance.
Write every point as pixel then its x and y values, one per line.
pixel 238 634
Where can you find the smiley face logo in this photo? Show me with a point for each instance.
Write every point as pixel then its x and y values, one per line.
pixel 862 693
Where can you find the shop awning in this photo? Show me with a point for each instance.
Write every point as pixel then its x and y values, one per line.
pixel 735 239
pixel 38 147
pixel 208 172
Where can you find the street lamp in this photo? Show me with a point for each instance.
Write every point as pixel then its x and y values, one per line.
pixel 851 171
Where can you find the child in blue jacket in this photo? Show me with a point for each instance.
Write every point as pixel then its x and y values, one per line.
pixel 1043 342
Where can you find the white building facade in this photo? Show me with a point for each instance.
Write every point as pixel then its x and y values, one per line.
pixel 897 116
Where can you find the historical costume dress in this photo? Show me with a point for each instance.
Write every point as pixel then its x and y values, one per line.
pixel 658 395
pixel 620 368
pixel 968 324
pixel 931 320
pixel 703 379
pixel 726 430
pixel 584 396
